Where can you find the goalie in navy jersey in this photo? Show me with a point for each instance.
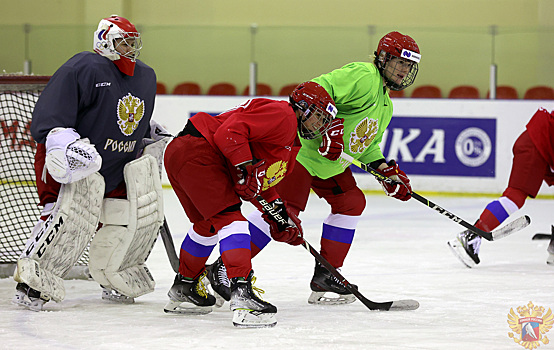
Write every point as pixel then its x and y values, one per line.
pixel 217 161
pixel 91 122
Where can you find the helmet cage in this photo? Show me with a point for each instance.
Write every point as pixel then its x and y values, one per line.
pixel 314 122
pixel 106 41
pixel 388 69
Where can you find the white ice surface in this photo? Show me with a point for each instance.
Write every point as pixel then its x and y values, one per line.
pixel 399 252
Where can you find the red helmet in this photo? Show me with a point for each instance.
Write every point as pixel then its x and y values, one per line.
pixel 317 107
pixel 397 45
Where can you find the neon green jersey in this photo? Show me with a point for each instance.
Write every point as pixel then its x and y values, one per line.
pixel 358 91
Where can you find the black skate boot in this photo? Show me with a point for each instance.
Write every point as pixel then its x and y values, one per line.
pixel 28 297
pixel 189 291
pixel 466 247
pixel 323 282
pixel 249 311
pixel 217 275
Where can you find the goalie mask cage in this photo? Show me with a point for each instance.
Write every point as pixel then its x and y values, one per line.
pixel 19 210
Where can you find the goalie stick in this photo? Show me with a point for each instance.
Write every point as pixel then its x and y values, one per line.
pixel 397 305
pixel 516 225
pixel 169 246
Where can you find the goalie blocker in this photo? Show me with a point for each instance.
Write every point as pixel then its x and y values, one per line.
pixel 118 251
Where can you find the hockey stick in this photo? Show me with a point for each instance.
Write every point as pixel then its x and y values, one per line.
pixel 521 222
pixel 169 246
pixel 396 305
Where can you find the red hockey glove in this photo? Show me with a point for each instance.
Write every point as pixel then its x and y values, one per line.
pixel 251 180
pixel 288 231
pixel 398 191
pixel 332 145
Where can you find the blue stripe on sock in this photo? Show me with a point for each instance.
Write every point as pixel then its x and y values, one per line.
pixel 259 238
pixel 235 241
pixel 195 249
pixel 498 211
pixel 338 234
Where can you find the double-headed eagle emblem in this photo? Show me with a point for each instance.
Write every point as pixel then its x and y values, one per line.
pixel 130 111
pixel 531 326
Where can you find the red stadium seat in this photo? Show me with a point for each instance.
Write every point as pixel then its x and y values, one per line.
pixel 222 88
pixel 464 91
pixel 505 92
pixel 187 88
pixel 287 89
pixel 539 93
pixel 396 94
pixel 427 91
pixel 160 88
pixel 261 90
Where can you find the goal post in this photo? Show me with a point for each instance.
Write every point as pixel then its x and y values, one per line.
pixel 19 209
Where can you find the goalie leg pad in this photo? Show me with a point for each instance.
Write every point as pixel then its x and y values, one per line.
pixel 57 243
pixel 118 253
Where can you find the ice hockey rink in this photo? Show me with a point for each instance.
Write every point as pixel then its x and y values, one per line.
pixel 399 252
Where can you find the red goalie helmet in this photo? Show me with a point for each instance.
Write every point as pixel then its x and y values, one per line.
pixel 317 107
pixel 397 59
pixel 117 39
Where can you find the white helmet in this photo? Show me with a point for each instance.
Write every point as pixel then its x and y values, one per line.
pixel 116 27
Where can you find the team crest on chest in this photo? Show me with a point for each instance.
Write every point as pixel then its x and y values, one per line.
pixel 363 135
pixel 130 110
pixel 275 173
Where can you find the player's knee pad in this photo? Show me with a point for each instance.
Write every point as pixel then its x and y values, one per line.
pixel 351 202
pixel 120 248
pixel 56 244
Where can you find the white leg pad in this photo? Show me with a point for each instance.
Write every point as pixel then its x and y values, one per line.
pixel 120 248
pixel 58 243
pixel 28 271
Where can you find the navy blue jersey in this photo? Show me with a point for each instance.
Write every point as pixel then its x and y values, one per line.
pixel 111 109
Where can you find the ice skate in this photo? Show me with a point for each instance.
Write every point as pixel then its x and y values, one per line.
pixel 28 297
pixel 217 275
pixel 113 295
pixel 250 311
pixel 466 248
pixel 324 282
pixel 550 249
pixel 188 296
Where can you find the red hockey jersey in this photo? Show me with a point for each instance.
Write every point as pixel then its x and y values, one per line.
pixel 255 130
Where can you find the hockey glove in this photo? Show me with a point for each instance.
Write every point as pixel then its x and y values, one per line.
pixel 288 230
pixel 399 191
pixel 251 180
pixel 332 145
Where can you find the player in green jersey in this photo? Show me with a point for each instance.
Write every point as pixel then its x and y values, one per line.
pixel 360 91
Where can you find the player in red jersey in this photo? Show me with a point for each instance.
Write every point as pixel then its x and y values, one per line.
pixel 533 163
pixel 217 161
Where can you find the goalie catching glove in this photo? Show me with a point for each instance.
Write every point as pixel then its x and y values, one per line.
pixel 332 144
pixel 402 191
pixel 288 230
pixel 251 179
pixel 70 158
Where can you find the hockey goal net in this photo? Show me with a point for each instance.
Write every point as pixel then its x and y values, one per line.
pixel 19 208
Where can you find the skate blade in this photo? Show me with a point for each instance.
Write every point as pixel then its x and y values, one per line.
pixel 185 308
pixel 33 305
pixel 319 298
pixel 458 250
pixel 245 318
pixel 118 299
